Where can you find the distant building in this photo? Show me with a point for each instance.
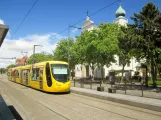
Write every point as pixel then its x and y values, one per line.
pixel 85 71
pixel 22 61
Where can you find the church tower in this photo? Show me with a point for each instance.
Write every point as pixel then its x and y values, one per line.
pixel 88 24
pixel 120 16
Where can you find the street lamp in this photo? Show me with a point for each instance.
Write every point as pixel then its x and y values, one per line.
pixel 70 26
pixel 34 52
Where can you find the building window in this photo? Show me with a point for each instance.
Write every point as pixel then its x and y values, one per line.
pixel 128 64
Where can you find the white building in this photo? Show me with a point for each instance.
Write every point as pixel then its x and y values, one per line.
pixel 85 71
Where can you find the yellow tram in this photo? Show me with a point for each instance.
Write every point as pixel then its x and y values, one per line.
pixel 48 76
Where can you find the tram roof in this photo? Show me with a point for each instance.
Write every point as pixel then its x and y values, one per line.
pixel 51 62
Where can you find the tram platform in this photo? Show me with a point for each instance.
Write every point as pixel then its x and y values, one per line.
pixel 5 113
pixel 142 102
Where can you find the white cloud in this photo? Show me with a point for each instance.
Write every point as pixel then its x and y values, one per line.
pixel 1 21
pixel 13 48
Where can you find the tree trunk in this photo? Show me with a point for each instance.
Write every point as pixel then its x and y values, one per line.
pixel 123 66
pixel 146 79
pixel 72 74
pixel 101 75
pixel 92 67
pixel 159 70
pixel 153 71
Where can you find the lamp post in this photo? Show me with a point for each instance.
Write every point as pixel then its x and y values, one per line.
pixel 70 26
pixel 34 52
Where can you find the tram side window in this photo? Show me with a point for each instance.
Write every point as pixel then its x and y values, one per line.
pixel 17 74
pixel 24 74
pixel 27 72
pixel 48 75
pixel 41 73
pixel 35 74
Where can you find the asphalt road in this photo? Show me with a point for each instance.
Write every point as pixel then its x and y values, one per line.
pixel 32 104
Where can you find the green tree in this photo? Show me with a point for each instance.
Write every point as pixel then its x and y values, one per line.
pixel 125 46
pixel 86 49
pixel 98 47
pixel 64 47
pixel 2 70
pixel 10 66
pixel 147 24
pixel 40 57
pixel 107 44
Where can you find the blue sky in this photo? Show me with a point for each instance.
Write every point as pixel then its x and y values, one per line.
pixel 49 17
pixel 55 15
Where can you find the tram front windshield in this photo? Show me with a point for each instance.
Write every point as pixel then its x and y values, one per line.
pixel 60 72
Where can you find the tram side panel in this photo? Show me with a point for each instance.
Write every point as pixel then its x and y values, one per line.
pixel 35 78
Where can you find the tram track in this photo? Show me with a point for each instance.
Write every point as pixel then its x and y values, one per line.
pixel 38 95
pixel 99 107
pixel 92 106
pixel 42 97
pixel 49 98
pixel 107 103
pixel 122 106
pixel 8 95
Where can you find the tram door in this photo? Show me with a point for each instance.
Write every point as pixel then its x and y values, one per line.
pixel 41 77
pixel 14 76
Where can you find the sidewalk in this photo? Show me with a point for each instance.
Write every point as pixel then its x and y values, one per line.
pixel 147 103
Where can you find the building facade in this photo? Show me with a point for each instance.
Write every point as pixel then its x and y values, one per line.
pixel 85 71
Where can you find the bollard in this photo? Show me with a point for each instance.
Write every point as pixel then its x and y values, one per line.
pixel 100 83
pixel 142 89
pixel 142 83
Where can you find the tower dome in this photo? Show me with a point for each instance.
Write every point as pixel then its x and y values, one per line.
pixel 120 11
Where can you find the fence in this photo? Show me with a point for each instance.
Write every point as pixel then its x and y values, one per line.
pixel 136 88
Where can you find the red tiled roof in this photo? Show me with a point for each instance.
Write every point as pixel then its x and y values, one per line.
pixel 21 61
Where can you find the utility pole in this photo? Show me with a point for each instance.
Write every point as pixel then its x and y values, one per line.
pixel 69 38
pixel 34 53
pixel 69 47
